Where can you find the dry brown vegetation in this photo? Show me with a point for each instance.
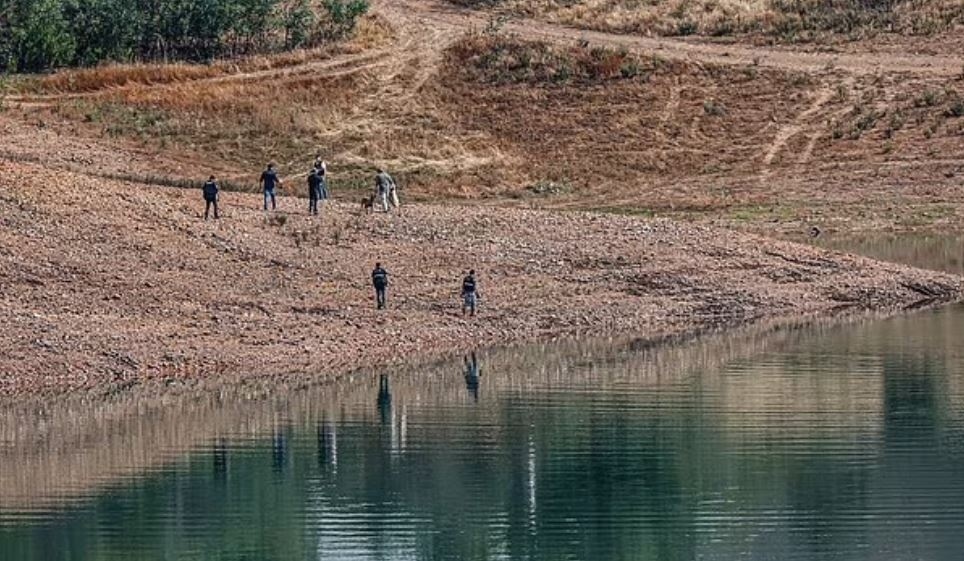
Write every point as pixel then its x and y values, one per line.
pixel 553 122
pixel 785 20
pixel 372 32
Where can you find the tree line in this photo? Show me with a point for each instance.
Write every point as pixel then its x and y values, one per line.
pixel 37 35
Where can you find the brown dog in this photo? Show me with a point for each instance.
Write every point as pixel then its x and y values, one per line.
pixel 368 203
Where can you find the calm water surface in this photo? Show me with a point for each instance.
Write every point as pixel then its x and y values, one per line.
pixel 826 442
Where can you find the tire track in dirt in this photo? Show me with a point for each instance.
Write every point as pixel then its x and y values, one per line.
pixel 427 27
pixel 819 129
pixel 783 136
pixel 679 49
pixel 330 67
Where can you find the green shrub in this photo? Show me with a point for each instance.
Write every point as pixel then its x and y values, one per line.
pixel 714 108
pixel 37 35
pixel 956 108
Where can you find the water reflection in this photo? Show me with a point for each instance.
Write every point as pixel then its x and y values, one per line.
pixel 944 253
pixel 327 445
pixel 822 443
pixel 472 373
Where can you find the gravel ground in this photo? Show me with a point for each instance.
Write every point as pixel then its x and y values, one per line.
pixel 107 285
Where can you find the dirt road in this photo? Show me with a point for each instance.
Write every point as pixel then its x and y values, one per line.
pixel 439 15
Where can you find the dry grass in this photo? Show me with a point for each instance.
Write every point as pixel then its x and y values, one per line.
pixel 789 20
pixel 372 32
pixel 604 132
pixel 497 59
pixel 104 77
pixel 499 117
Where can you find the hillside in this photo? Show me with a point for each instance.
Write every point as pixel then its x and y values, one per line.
pixel 529 113
pixel 818 22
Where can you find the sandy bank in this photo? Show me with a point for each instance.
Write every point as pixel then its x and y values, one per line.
pixel 107 284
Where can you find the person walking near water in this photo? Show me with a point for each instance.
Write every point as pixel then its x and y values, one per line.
pixel 380 282
pixel 385 188
pixel 210 190
pixel 270 181
pixel 314 191
pixel 470 293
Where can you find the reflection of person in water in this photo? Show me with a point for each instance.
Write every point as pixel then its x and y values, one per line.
pixel 384 399
pixel 327 444
pixel 219 453
pixel 279 450
pixel 472 374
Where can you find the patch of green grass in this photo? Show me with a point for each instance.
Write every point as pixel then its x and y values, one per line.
pixel 920 217
pixel 758 213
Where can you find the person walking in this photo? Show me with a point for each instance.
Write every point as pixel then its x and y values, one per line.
pixel 270 181
pixel 314 191
pixel 385 189
pixel 321 167
pixel 210 190
pixel 470 293
pixel 393 193
pixel 380 282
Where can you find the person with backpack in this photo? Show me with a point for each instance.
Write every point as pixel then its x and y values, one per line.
pixel 314 191
pixel 269 181
pixel 210 190
pixel 470 293
pixel 380 282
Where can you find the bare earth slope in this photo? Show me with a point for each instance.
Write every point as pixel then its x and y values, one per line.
pixel 109 284
pixel 767 138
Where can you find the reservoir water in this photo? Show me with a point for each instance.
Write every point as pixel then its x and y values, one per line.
pixel 819 442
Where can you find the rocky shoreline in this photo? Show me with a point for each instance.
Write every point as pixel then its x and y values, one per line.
pixel 110 285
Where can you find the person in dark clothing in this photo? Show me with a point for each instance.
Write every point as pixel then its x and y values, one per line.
pixel 380 282
pixel 270 181
pixel 470 293
pixel 314 191
pixel 210 190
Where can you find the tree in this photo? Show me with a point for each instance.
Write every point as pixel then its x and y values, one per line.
pixel 298 20
pixel 103 30
pixel 343 16
pixel 39 36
